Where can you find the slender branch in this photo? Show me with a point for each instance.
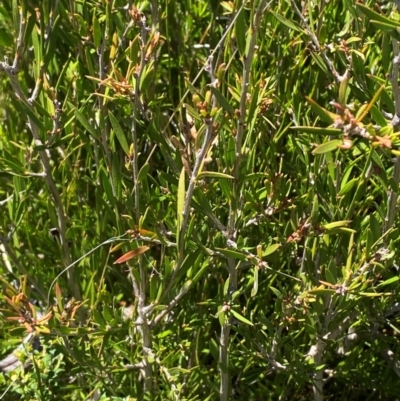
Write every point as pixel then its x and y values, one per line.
pixel 171 304
pixel 140 288
pixel 393 77
pixel 234 204
pixel 20 43
pixel 317 350
pixel 393 194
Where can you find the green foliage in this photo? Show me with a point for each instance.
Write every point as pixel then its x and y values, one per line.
pixel 200 197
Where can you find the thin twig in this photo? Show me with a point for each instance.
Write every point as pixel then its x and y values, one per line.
pixel 171 305
pixel 233 213
pixel 393 192
pixel 140 288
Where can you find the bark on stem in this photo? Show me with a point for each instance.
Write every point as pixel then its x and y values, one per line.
pixel 233 213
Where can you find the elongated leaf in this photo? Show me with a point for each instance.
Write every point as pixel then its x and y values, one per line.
pixel 271 249
pixel 240 32
pixel 201 202
pixel 82 119
pixel 375 294
pixel 322 291
pixel 318 130
pixel 388 28
pixel 388 281
pixel 27 109
pixel 214 174
pixel 116 247
pixel 320 62
pixel 327 147
pixel 324 114
pixel 254 290
pixel 229 253
pixel 201 272
pixel 222 100
pixel 241 318
pixel 119 132
pixel 143 172
pixel 96 31
pixel 370 104
pixel 343 90
pixel 373 15
pixel 336 224
pixel 180 204
pixel 286 22
pixel 348 186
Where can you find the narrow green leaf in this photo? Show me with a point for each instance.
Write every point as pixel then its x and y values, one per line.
pixel 318 130
pixel 327 147
pixel 27 109
pixel 336 224
pixel 276 292
pixel 387 28
pixel 37 49
pixel 348 186
pixel 241 318
pixel 119 132
pixel 256 176
pixel 214 174
pixel 202 201
pixel 388 281
pixel 143 172
pixel 221 317
pixel 343 90
pixel 254 290
pixel 82 119
pixel 350 252
pixel 287 23
pixel 324 114
pixel 322 291
pixel 229 253
pixel 375 294
pixel 370 104
pixel 180 203
pixel 271 249
pixel 12 165
pixel 15 12
pixel 320 62
pixel 373 15
pixel 340 230
pixel 190 264
pixel 96 31
pixel 240 32
pixel 222 100
pixel 315 210
pixel 201 272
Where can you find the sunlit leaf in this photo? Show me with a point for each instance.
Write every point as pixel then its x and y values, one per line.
pixel 327 147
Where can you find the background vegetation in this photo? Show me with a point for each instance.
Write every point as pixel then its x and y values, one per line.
pixel 199 200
